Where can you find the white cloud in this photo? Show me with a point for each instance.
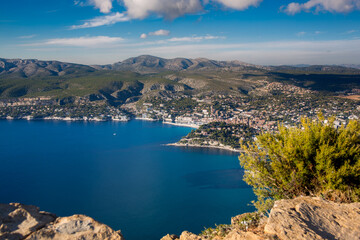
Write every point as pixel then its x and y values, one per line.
pixel 351 31
pixel 340 6
pixel 239 4
pixel 194 38
pixel 292 8
pixel 27 36
pixel 104 6
pixel 169 9
pixel 104 20
pixel 160 32
pixel 301 34
pixel 97 41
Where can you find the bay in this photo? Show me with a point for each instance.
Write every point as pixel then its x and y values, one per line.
pixel 120 174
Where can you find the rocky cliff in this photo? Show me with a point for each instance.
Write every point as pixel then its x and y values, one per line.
pixel 301 218
pixel 19 221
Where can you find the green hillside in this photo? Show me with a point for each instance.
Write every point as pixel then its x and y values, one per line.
pixel 34 78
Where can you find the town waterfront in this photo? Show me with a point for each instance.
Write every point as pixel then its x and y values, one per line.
pixel 121 174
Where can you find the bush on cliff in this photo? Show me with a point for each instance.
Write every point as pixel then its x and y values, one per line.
pixel 314 158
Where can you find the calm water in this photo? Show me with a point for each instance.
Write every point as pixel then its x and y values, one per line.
pixel 128 180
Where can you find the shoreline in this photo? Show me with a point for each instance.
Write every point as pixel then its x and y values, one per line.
pixel 205 146
pixel 68 119
pixel 145 119
pixel 182 124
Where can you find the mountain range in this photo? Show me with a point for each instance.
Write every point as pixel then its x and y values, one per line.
pixel 149 76
pixel 25 68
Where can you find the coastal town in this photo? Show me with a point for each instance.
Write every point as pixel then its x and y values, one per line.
pixel 241 117
pixel 244 118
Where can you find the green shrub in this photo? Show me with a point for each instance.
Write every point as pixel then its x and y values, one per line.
pixel 313 159
pixel 219 231
pixel 246 221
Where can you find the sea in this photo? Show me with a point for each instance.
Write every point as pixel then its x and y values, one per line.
pixel 121 174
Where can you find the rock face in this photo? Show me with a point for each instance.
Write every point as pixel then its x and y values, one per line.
pixel 313 218
pixel 170 237
pixel 19 221
pixel 240 235
pixel 302 218
pixel 189 236
pixel 75 227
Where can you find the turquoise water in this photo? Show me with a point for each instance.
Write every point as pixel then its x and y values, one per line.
pixel 121 175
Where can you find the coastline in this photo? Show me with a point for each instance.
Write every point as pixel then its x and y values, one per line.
pixel 68 119
pixel 146 119
pixel 182 124
pixel 169 123
pixel 227 148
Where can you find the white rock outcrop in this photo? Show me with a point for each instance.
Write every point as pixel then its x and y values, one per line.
pixel 314 218
pixel 18 221
pixel 302 218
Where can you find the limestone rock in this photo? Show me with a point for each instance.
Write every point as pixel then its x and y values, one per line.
pixel 233 235
pixel 240 235
pixel 189 236
pixel 304 218
pixel 18 221
pixel 170 237
pixel 313 218
pixel 76 227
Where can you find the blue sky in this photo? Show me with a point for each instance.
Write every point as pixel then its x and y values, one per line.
pixel 269 32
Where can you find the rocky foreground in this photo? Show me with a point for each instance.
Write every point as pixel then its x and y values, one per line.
pixel 303 218
pixel 300 218
pixel 19 221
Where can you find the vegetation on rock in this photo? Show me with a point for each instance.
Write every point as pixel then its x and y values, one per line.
pixel 313 158
pixel 219 231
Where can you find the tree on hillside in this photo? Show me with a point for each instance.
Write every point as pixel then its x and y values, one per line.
pixel 314 158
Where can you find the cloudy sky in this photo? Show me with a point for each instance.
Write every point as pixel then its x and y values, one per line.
pixel 269 32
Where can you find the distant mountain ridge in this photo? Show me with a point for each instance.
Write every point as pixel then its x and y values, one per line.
pixel 27 68
pixel 147 63
pixel 357 66
pixel 148 76
pixel 24 68
pixel 318 68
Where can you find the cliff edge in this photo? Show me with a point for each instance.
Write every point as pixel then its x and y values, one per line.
pixel 302 218
pixel 18 221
